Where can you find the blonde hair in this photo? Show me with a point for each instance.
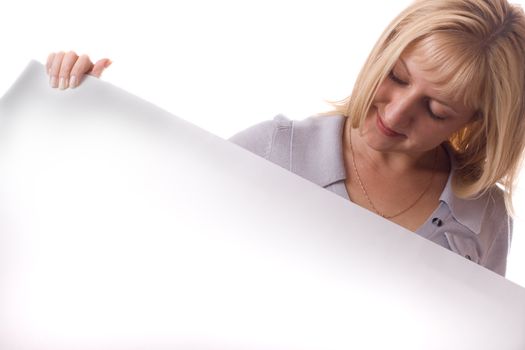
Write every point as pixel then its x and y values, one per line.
pixel 479 47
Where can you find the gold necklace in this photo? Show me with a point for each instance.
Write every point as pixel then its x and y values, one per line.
pixel 368 197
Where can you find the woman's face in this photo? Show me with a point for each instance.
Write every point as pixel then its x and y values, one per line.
pixel 409 114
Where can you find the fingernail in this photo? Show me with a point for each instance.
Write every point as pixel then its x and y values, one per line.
pixel 73 82
pixel 108 63
pixel 53 82
pixel 62 84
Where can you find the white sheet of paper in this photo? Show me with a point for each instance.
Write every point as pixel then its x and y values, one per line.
pixel 124 227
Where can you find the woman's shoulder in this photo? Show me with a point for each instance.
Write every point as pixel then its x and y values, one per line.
pixel 258 138
pixel 496 225
pixel 275 136
pixel 488 227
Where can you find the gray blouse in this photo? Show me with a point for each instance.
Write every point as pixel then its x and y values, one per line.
pixel 478 229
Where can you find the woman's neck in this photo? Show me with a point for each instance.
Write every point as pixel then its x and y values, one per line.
pixel 397 163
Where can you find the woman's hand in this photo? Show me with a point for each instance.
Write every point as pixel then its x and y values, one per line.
pixel 66 69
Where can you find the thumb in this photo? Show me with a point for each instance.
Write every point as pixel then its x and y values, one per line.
pixel 99 67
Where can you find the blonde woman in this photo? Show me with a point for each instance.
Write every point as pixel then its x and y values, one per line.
pixel 432 135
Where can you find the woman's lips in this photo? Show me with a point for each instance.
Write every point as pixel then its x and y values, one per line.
pixel 385 130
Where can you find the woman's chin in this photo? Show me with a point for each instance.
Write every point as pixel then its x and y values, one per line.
pixel 377 142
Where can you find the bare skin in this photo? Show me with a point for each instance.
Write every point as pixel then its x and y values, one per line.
pixel 67 69
pixel 398 150
pixel 392 189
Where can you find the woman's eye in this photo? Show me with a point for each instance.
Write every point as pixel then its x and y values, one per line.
pixel 396 79
pixel 435 116
pixel 431 113
pixel 392 76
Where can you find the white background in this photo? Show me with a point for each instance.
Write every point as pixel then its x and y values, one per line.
pixel 223 65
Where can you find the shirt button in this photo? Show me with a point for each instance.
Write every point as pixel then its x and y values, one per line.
pixel 437 221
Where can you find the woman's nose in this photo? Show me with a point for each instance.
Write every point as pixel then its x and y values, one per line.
pixel 400 110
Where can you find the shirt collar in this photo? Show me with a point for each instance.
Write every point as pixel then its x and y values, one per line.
pixel 317 149
pixel 468 212
pixel 317 155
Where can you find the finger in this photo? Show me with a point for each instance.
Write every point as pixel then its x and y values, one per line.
pixel 55 69
pixel 65 69
pixel 99 67
pixel 82 66
pixel 49 62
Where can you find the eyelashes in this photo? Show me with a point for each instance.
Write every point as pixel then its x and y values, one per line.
pixel 433 115
pixel 396 79
pixel 392 76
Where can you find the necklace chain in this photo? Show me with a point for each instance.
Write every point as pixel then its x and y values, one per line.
pixel 368 197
